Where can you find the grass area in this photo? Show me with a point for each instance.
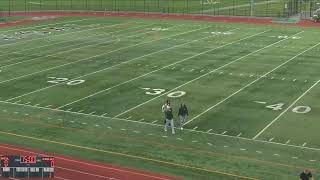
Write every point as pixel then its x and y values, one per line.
pixel 251 90
pixel 273 8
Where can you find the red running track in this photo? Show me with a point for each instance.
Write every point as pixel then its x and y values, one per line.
pixel 226 19
pixel 67 168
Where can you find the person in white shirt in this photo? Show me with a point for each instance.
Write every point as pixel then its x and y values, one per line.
pixel 165 108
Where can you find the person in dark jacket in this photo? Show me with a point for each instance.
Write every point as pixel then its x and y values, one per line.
pixel 306 175
pixel 169 120
pixel 183 113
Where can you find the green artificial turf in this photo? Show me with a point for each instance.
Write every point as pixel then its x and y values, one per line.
pixel 252 93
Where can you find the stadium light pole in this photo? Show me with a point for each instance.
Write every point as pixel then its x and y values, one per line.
pixel 252 8
pixel 187 6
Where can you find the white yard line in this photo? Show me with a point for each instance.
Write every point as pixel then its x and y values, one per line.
pixel 199 77
pixel 159 125
pixel 283 112
pixel 143 75
pixel 29 40
pixel 63 22
pixel 119 64
pixel 73 62
pixel 249 84
pixel 73 49
pixel 61 42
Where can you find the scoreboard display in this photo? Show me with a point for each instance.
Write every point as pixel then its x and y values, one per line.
pixel 26 167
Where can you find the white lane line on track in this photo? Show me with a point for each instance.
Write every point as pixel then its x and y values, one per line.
pixel 86 173
pixel 79 162
pixel 57 177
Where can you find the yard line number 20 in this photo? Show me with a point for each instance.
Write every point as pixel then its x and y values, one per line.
pixel 297 109
pixel 155 92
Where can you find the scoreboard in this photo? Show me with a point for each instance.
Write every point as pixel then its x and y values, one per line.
pixel 27 167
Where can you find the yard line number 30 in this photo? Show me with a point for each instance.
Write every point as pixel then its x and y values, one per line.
pixel 154 92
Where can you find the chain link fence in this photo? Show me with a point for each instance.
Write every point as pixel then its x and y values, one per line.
pixel 258 8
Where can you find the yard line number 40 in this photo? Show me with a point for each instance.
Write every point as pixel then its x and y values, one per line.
pixel 155 92
pixel 297 109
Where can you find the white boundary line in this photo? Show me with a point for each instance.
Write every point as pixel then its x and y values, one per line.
pixel 250 83
pixel 71 45
pixel 283 112
pixel 143 75
pixel 227 64
pixel 23 41
pixel 160 125
pixel 80 60
pixel 110 68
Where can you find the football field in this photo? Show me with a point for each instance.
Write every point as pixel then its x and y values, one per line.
pixel 99 83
